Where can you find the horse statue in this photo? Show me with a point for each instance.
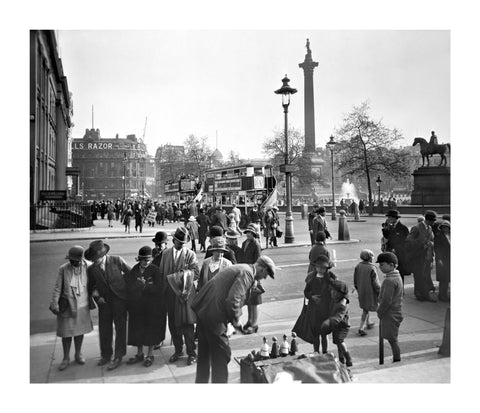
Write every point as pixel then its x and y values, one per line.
pixel 429 149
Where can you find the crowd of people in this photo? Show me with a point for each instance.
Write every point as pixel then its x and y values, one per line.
pixel 201 303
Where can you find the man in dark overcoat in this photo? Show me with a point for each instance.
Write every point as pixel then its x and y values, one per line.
pixel 219 302
pixel 319 223
pixel 179 259
pixel 219 219
pixel 106 284
pixel 395 234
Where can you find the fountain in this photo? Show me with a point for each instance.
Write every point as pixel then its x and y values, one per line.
pixel 349 194
pixel 349 191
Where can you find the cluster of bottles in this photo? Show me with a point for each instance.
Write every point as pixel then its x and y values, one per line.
pixel 284 349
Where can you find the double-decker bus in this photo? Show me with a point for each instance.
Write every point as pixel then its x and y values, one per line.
pixel 245 185
pixel 183 190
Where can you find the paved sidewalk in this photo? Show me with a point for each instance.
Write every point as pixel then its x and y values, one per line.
pixel 102 231
pixel 420 333
pixel 420 336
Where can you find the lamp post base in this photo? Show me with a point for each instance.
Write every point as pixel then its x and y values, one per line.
pixel 289 237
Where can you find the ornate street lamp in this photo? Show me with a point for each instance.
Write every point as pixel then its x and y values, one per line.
pixel 331 145
pixel 286 91
pixel 378 181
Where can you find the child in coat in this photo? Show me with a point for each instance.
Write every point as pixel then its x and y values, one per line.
pixel 389 309
pixel 365 280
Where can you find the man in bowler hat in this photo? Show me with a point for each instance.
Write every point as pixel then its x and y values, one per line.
pixel 395 234
pixel 179 267
pixel 106 284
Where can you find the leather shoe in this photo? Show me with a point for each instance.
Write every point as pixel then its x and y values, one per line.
pixel 64 364
pixel 191 360
pixel 103 361
pixel 79 360
pixel 114 364
pixel 175 357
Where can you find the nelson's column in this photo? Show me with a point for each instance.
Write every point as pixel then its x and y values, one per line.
pixel 309 153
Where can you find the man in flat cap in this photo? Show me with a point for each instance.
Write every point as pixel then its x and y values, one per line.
pixel 219 302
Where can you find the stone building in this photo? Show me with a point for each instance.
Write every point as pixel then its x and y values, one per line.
pixel 50 116
pixel 110 168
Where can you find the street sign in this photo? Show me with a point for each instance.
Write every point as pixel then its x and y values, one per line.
pixel 53 195
pixel 289 167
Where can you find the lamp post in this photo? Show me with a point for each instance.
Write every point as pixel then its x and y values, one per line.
pixel 331 145
pixel 286 91
pixel 378 181
pixel 124 177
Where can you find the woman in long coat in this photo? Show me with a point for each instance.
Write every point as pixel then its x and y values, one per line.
pixel 318 248
pixel 318 292
pixel 127 216
pixel 145 307
pixel 251 252
pixel 73 320
pixel 192 226
pixel 270 229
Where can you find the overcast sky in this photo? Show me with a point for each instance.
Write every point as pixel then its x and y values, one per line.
pixel 221 83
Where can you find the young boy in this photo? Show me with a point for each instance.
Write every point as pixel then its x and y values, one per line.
pixel 389 309
pixel 337 323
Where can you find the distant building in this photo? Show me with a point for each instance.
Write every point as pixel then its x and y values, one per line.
pixel 111 168
pixel 171 162
pixel 50 116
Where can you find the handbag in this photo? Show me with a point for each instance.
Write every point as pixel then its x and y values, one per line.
pixel 302 326
pixel 279 233
pixel 63 304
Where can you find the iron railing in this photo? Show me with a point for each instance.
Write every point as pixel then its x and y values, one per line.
pixel 60 214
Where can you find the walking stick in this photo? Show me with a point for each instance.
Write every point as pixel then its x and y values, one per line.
pixel 380 343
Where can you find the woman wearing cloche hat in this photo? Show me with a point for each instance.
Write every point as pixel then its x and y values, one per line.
pixel 146 307
pixel 71 304
pixel 213 265
pixel 192 226
pixel 251 253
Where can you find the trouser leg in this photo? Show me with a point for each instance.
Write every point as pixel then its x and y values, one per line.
pixel 120 321
pixel 188 332
pixel 220 353
pixel 176 335
pixel 203 360
pixel 395 349
pixel 105 329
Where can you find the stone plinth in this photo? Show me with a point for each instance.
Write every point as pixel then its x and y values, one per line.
pixel 431 186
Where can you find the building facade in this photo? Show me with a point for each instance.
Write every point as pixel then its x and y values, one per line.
pixel 50 116
pixel 110 168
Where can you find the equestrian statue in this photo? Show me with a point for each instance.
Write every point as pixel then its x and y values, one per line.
pixel 427 149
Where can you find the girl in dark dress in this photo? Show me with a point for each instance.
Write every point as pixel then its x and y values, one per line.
pixel 145 307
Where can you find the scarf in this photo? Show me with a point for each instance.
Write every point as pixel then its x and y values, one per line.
pixel 76 281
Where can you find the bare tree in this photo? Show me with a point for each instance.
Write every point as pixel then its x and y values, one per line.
pixel 365 147
pixel 198 152
pixel 274 147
